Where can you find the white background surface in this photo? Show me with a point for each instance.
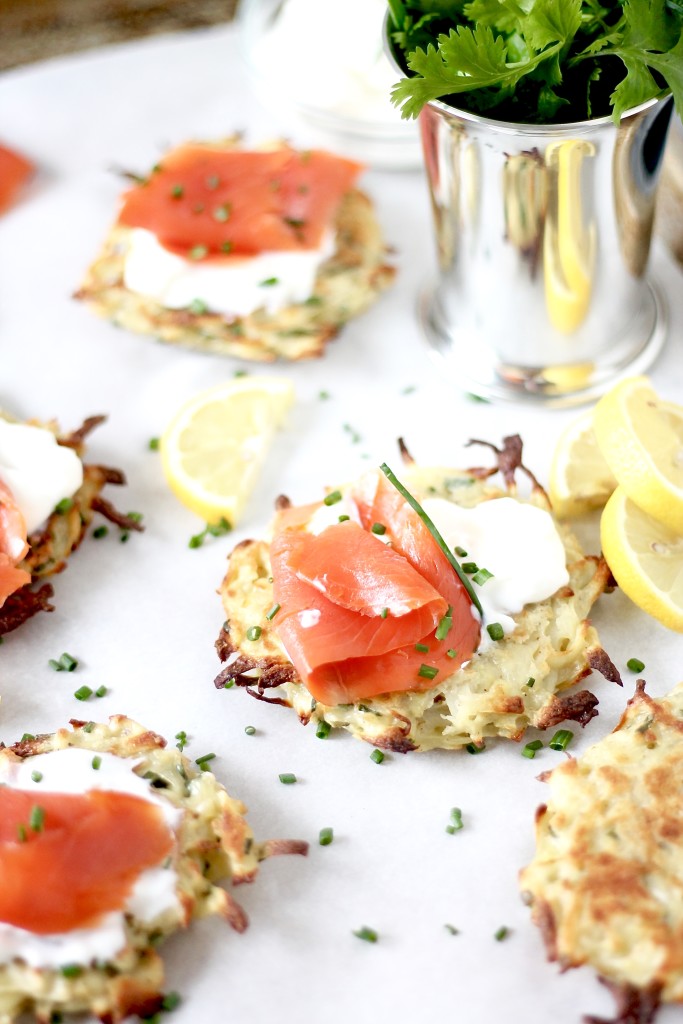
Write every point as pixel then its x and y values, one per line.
pixel 142 617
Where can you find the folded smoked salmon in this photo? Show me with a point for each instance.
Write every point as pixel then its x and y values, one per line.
pixel 260 253
pixel 354 615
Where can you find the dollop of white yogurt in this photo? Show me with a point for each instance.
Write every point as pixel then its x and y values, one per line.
pixel 38 471
pixel 233 287
pixel 71 771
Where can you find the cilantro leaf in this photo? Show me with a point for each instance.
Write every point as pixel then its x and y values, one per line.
pixel 549 22
pixel 637 87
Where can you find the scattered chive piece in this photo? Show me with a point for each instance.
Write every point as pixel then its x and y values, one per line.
pixel 37 819
pixel 469 567
pixel 71 971
pixel 445 625
pixel 124 536
pixel 212 182
pixel 326 836
pixel 222 213
pixel 456 818
pixel 226 247
pixel 171 1001
pixel 451 829
pixel 561 739
pixel 530 749
pixel 68 663
pixel 460 552
pixel 332 498
pixel 204 759
pixel 272 612
pixel 451 652
pixel 495 631
pixel 198 252
pixel 269 282
pixel 502 933
pixel 323 395
pixel 36 776
pixel 383 614
pixel 472 748
pixel 287 778
pixel 250 730
pixel 409 389
pixel 182 740
pixel 177 192
pixel 428 671
pixel 101 691
pixel 377 756
pixel 343 519
pixel 88 727
pixel 294 222
pixel 366 934
pixel 83 692
pixel 635 665
pixel 21 833
pixel 481 577
pixel 153 444
pixel 27 736
pixel 324 729
pixel 530 681
pixel 378 528
pixel 451 929
pixel 64 506
pixel 96 762
pixel 228 684
pixel 422 648
pixel 254 632
pixel 415 505
pixel 353 434
pixel 198 307
pixel 100 531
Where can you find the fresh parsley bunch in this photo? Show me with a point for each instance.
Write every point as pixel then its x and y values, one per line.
pixel 537 61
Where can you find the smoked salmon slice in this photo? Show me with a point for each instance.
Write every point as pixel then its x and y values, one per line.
pixel 353 609
pixel 211 201
pixel 15 170
pixel 13 545
pixel 68 859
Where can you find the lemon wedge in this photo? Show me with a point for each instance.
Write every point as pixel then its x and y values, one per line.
pixel 646 559
pixel 215 445
pixel 641 438
pixel 580 479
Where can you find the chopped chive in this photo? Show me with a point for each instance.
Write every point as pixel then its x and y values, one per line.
pixel 294 222
pixel 212 182
pixel 21 833
pixel 36 776
pixel 422 648
pixel 287 778
pixel 96 762
pixel 408 390
pixel 502 933
pixel 460 552
pixel 100 531
pixel 378 528
pixel 27 736
pixel 469 567
pixel 635 665
pixel 451 652
pixel 101 691
pixel 326 836
pixel 323 395
pixel 228 684
pixel 355 437
pixel 324 729
pixel 227 247
pixel 198 307
pixel 170 1002
pixel 204 759
pixel 377 756
pixel 445 625
pixel 383 614
pixel 82 693
pixel 198 252
pixel 561 739
pixel 416 507
pixel 222 213
pixel 451 929
pixel 530 681
pixel 37 818
pixel 153 444
pixel 530 749
pixel 269 282
pixel 88 727
pixel 475 748
pixel 54 664
pixel 71 971
pixel 456 818
pixel 428 672
pixel 68 663
pixel 182 740
pixel 254 632
pixel 366 934
pixel 124 536
pixel 495 631
pixel 64 506
pixel 250 730
pixel 272 612
pixel 343 519
pixel 177 192
pixel 481 577
pixel 332 498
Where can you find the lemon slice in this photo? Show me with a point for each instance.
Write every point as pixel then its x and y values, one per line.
pixel 215 445
pixel 646 559
pixel 580 479
pixel 641 437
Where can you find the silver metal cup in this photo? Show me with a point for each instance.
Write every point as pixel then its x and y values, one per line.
pixel 543 237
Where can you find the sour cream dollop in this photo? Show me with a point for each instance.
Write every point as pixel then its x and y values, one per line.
pixel 71 771
pixel 234 286
pixel 38 471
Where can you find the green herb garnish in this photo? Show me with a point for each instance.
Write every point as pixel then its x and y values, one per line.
pixel 36 776
pixel 101 691
pixel 445 625
pixel 37 818
pixel 495 631
pixel 530 749
pixel 254 632
pixel 83 692
pixel 428 672
pixel 378 528
pixel 366 934
pixel 635 665
pixel 332 498
pixel 96 762
pixel 198 307
pixel 203 761
pixel 421 648
pixel 324 729
pixel 377 756
pixel 153 444
pixel 287 778
pixel 272 612
pixel 64 506
pixel 502 933
pixel 561 739
pixel 326 836
pixel 250 730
